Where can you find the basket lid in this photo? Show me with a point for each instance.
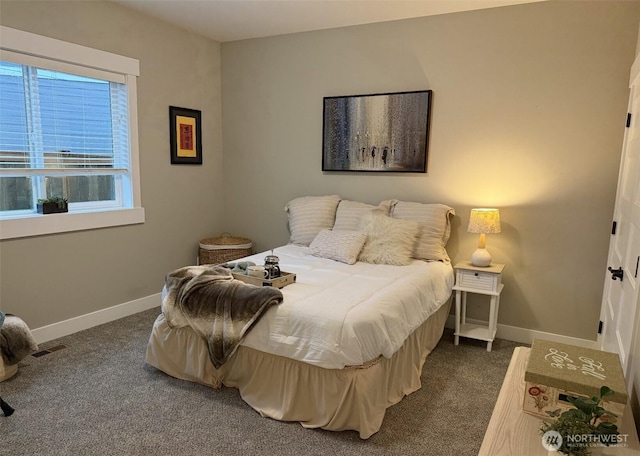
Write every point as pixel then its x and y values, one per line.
pixel 225 241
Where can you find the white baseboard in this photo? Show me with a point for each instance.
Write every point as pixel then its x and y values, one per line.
pixel 99 317
pixel 526 336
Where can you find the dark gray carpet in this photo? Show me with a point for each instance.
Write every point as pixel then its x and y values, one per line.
pixel 98 397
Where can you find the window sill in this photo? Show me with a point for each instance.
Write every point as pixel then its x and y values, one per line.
pixel 38 225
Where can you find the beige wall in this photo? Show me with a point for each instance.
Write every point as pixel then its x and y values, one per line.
pixel 528 112
pixel 48 279
pixel 528 115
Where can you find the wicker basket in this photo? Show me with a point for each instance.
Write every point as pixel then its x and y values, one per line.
pixel 224 248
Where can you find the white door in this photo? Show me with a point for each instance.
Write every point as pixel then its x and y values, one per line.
pixel 620 298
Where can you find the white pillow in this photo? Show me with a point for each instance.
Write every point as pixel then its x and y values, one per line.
pixel 308 215
pixel 350 213
pixel 435 227
pixel 389 241
pixel 339 245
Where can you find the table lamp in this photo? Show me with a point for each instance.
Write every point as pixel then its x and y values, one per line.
pixel 483 221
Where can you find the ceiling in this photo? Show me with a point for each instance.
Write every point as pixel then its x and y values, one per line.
pixel 230 20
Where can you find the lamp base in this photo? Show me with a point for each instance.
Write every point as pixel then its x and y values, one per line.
pixel 481 258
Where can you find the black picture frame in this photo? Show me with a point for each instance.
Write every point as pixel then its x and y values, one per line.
pixel 382 132
pixel 185 135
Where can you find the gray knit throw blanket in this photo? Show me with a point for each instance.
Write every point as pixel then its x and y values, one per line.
pixel 216 306
pixel 16 340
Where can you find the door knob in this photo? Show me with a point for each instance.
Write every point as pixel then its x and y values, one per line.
pixel 616 273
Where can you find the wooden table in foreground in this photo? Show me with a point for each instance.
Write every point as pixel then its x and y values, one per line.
pixel 513 432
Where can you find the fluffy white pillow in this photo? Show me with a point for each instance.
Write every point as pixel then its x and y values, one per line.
pixel 339 245
pixel 389 241
pixel 308 215
pixel 350 213
pixel 435 227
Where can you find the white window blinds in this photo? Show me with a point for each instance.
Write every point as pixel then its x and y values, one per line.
pixel 57 123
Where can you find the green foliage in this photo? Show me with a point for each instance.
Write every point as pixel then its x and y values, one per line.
pixel 588 418
pixel 61 202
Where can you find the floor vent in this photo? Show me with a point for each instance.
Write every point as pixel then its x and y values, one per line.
pixel 40 353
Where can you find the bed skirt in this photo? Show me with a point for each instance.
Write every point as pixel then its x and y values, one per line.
pixel 353 398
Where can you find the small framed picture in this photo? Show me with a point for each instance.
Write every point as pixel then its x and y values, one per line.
pixel 185 131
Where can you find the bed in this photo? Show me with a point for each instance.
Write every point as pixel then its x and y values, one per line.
pixel 350 337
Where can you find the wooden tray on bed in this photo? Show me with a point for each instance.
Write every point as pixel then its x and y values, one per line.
pixel 286 278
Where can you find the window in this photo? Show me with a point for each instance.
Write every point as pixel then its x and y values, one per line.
pixel 68 129
pixel 61 135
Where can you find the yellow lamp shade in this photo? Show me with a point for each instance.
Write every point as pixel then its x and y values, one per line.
pixel 483 221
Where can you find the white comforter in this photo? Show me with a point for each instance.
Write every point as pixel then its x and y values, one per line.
pixel 338 315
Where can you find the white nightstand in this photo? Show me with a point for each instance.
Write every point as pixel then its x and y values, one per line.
pixel 484 281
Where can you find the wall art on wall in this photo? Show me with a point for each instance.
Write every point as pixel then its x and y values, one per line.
pixel 376 133
pixel 185 133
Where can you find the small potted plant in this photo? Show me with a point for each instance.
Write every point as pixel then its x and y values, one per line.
pixel 579 431
pixel 52 205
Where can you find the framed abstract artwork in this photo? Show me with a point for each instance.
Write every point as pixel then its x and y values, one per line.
pixel 386 132
pixel 185 132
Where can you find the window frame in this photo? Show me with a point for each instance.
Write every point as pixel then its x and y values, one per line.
pixel 55 51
